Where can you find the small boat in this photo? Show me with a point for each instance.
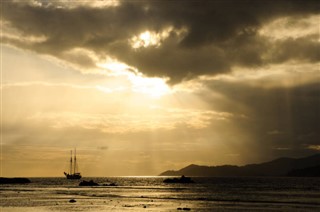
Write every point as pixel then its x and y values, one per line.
pixel 73 174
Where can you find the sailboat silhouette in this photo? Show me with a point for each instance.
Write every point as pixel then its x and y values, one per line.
pixel 73 172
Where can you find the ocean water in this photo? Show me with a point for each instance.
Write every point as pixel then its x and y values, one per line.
pixel 151 194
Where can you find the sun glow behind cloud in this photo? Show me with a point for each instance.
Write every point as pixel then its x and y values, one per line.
pixel 154 87
pixel 114 68
pixel 154 39
pixel 145 39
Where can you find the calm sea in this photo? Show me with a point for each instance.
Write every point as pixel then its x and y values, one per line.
pixel 151 194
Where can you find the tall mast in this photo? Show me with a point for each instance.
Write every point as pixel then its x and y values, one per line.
pixel 71 163
pixel 75 161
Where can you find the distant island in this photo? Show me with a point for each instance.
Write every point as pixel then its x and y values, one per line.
pixel 302 167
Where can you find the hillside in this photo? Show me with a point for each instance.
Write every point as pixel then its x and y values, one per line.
pixel 278 167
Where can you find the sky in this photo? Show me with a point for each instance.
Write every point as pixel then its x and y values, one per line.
pixel 140 87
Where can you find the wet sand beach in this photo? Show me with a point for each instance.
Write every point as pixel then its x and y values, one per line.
pixel 150 194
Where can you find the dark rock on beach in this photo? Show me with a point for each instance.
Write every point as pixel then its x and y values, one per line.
pixel 88 183
pixel 182 179
pixel 72 201
pixel 92 183
pixel 17 180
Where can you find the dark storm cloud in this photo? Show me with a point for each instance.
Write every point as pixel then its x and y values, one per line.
pixel 278 118
pixel 220 34
pixel 304 48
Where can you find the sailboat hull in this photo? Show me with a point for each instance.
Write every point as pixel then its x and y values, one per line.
pixel 73 176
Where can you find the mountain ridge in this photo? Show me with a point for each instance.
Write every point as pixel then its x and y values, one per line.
pixel 277 167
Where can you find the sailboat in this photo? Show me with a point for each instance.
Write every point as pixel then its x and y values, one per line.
pixel 73 172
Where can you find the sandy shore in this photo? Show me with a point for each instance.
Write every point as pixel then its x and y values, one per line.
pixel 22 201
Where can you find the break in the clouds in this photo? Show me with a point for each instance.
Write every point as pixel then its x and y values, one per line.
pixel 174 39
